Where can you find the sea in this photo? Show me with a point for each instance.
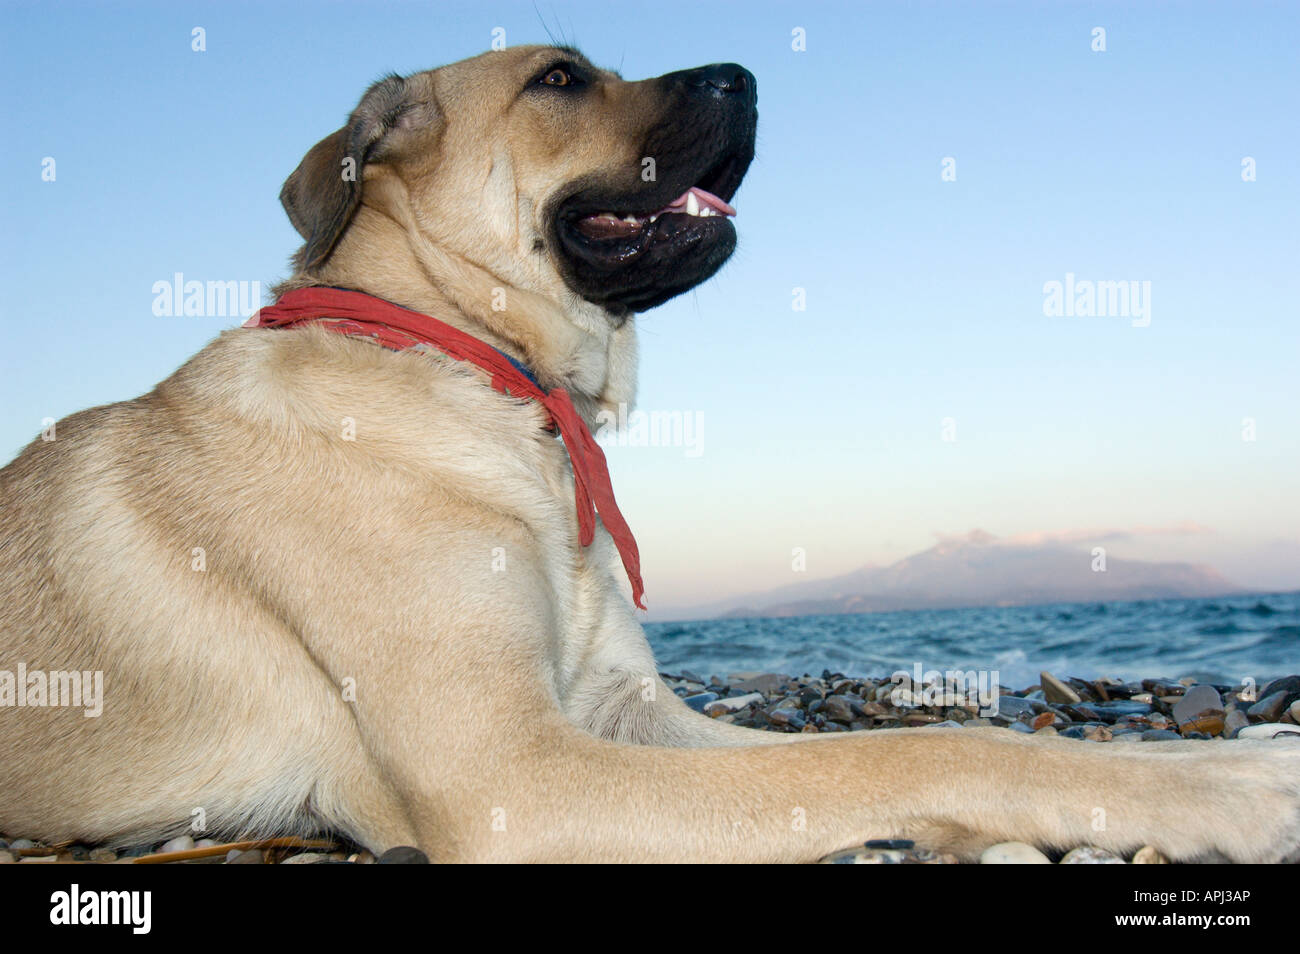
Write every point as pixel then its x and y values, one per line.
pixel 1223 640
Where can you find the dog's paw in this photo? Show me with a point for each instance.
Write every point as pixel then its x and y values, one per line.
pixel 1236 801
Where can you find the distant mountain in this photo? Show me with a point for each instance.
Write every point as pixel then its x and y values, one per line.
pixel 978 570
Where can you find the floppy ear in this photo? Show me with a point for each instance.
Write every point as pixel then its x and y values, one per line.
pixel 322 194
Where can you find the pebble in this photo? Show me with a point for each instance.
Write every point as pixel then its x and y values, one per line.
pixel 306 858
pixel 183 843
pixel 1013 707
pixel 6 858
pixel 1294 711
pixel 1147 855
pixel 790 717
pixel 1269 708
pixel 253 856
pixel 731 704
pixel 21 844
pixel 1269 730
pixel 1158 735
pixel 839 709
pixel 39 859
pixel 103 855
pixel 1013 853
pixel 1098 733
pixel 948 724
pixel 1198 701
pixel 1056 691
pixel 1091 855
pixel 1233 723
pixel 700 699
pixel 403 855
pixel 1209 724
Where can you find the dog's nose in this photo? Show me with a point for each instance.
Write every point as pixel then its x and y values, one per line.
pixel 724 77
pixel 729 82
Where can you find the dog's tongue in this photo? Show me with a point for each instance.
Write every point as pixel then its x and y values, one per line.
pixel 702 199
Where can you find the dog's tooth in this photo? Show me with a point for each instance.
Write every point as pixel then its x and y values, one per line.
pixel 692 204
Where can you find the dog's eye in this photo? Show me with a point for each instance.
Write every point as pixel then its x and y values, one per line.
pixel 558 76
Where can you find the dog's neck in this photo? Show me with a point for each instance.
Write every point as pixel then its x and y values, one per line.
pixel 570 343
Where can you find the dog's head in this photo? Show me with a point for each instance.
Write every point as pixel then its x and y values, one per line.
pixel 530 172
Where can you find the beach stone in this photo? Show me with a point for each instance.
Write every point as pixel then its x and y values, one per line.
pixel 1013 707
pixel 1044 720
pixel 1056 691
pixel 206 843
pixel 1091 855
pixel 103 855
pixel 1159 735
pixel 765 683
pixel 306 858
pixel 920 718
pixel 790 717
pixel 1197 702
pixel 977 723
pixel 1269 708
pixel 6 858
pixel 1233 723
pixel 1294 711
pixel 1147 855
pixel 1046 730
pixel 1128 737
pixel 38 859
pixel 700 699
pixel 21 844
pixel 1098 733
pixel 253 856
pixel 1021 727
pixel 1269 730
pixel 838 709
pixel 1013 853
pixel 183 843
pixel 732 704
pixel 1072 732
pixel 1288 684
pixel 1209 724
pixel 810 694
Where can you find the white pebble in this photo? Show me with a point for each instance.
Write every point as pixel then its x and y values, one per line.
pixel 183 843
pixel 1269 730
pixel 1013 853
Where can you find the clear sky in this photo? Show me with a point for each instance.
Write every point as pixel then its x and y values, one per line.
pixel 821 428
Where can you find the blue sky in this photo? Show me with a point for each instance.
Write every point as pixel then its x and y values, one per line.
pixel 822 428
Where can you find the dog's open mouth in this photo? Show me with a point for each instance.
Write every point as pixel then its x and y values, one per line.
pixel 694 202
pixel 637 248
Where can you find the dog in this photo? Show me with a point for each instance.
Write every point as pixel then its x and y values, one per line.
pixel 338 584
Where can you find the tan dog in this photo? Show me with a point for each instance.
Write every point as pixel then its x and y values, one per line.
pixel 305 627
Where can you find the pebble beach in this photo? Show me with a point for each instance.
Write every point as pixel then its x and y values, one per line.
pixel 1102 711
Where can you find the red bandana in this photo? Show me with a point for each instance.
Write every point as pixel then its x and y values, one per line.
pixel 398 328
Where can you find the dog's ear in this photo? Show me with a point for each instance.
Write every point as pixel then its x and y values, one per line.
pixel 322 194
